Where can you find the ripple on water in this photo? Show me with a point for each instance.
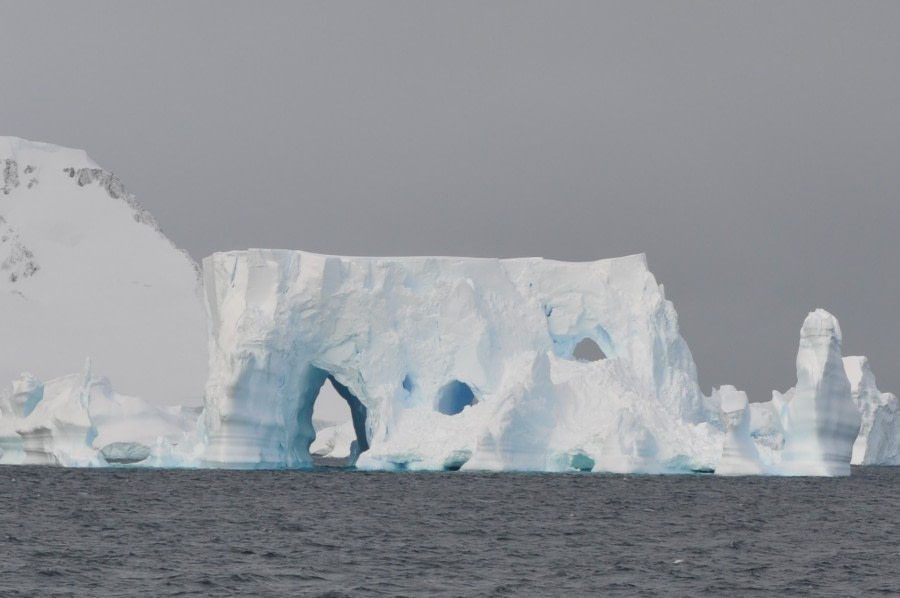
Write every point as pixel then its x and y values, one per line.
pixel 131 532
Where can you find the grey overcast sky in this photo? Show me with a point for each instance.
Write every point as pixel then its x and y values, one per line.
pixel 751 149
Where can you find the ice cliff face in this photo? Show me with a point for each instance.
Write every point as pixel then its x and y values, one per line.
pixel 878 442
pixel 448 363
pixel 85 271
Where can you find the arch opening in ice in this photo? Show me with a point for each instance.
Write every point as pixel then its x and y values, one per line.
pixel 454 397
pixel 322 384
pixel 588 350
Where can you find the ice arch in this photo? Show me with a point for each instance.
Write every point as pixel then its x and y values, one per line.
pixel 357 413
pixel 391 333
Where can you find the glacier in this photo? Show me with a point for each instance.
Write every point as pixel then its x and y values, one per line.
pixel 438 363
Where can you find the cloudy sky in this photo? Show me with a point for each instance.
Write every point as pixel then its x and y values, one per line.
pixel 751 150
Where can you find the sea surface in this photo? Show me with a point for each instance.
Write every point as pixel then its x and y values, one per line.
pixel 334 532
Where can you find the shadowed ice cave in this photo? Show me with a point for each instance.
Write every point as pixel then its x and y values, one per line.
pixel 454 397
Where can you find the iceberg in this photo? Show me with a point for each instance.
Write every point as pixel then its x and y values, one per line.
pixel 17 401
pixel 449 363
pixel 819 418
pixel 878 442
pixel 739 453
pixel 80 421
pixel 452 363
pixel 474 364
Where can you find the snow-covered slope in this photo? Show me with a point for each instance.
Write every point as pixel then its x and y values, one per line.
pixel 86 272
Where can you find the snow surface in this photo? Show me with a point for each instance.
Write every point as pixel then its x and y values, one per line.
pixel 86 272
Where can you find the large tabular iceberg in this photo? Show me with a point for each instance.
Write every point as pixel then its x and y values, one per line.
pixel 449 363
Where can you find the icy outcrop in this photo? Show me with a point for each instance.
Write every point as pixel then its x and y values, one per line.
pixel 85 270
pixel 767 427
pixel 448 363
pixel 17 402
pixel 739 453
pixel 820 420
pixel 81 421
pixel 631 447
pixel 878 442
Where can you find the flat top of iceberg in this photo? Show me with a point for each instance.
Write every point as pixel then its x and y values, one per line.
pixel 637 258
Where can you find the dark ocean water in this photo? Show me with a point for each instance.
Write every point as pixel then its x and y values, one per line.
pixel 131 532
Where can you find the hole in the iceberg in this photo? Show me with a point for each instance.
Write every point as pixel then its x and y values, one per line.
pixel 581 462
pixel 407 384
pixel 455 397
pixel 333 424
pixel 587 349
pixel 339 420
pixel 455 462
pixel 125 453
